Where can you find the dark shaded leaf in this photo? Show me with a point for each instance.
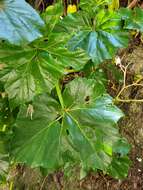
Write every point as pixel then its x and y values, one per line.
pixel 133 18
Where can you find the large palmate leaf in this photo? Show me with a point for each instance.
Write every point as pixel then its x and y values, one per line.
pixel 85 127
pixel 27 72
pixel 19 22
pixel 91 122
pixel 133 18
pixel 92 118
pixel 40 142
pixel 99 36
pixel 31 70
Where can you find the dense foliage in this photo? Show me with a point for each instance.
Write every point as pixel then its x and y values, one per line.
pixel 43 121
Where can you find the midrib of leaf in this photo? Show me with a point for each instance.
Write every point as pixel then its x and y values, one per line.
pixel 28 64
pixel 82 132
pixel 101 116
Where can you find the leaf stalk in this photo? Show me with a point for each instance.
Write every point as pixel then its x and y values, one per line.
pixel 60 95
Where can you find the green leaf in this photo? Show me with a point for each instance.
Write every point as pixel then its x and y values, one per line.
pixel 80 92
pixel 4 165
pixel 5 121
pixel 38 150
pixel 31 70
pixel 122 147
pixel 133 18
pixel 28 72
pixel 52 16
pixel 97 73
pixel 82 131
pixel 90 120
pixel 100 36
pixel 88 104
pixel 88 97
pixel 93 5
pixel 119 167
pixel 80 141
pixel 76 59
pixel 40 142
pixel 19 22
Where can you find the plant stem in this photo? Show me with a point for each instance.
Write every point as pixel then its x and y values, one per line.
pixel 128 86
pixel 132 4
pixel 11 185
pixel 129 100
pixel 59 95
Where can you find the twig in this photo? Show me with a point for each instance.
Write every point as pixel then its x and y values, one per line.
pixel 65 4
pixel 132 4
pixel 43 182
pixel 39 3
pixel 128 86
pixel 106 181
pixel 57 181
pixel 129 100
pixel 117 99
pixel 124 70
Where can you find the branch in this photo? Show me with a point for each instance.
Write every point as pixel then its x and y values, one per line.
pixel 128 86
pixel 124 87
pixel 132 4
pixel 129 100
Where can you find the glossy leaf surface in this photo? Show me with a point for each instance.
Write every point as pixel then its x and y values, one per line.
pixel 19 22
pixel 31 70
pixel 99 37
pixel 86 126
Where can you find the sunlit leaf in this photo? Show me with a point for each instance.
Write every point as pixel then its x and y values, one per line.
pixel 84 131
pixel 32 70
pixel 19 22
pixel 100 37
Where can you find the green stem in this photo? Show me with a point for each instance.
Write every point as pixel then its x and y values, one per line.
pixel 59 95
pixel 11 185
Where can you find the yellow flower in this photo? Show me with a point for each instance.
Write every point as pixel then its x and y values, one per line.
pixel 71 9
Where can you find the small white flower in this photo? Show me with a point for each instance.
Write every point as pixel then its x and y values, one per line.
pixel 117 60
pixel 139 159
